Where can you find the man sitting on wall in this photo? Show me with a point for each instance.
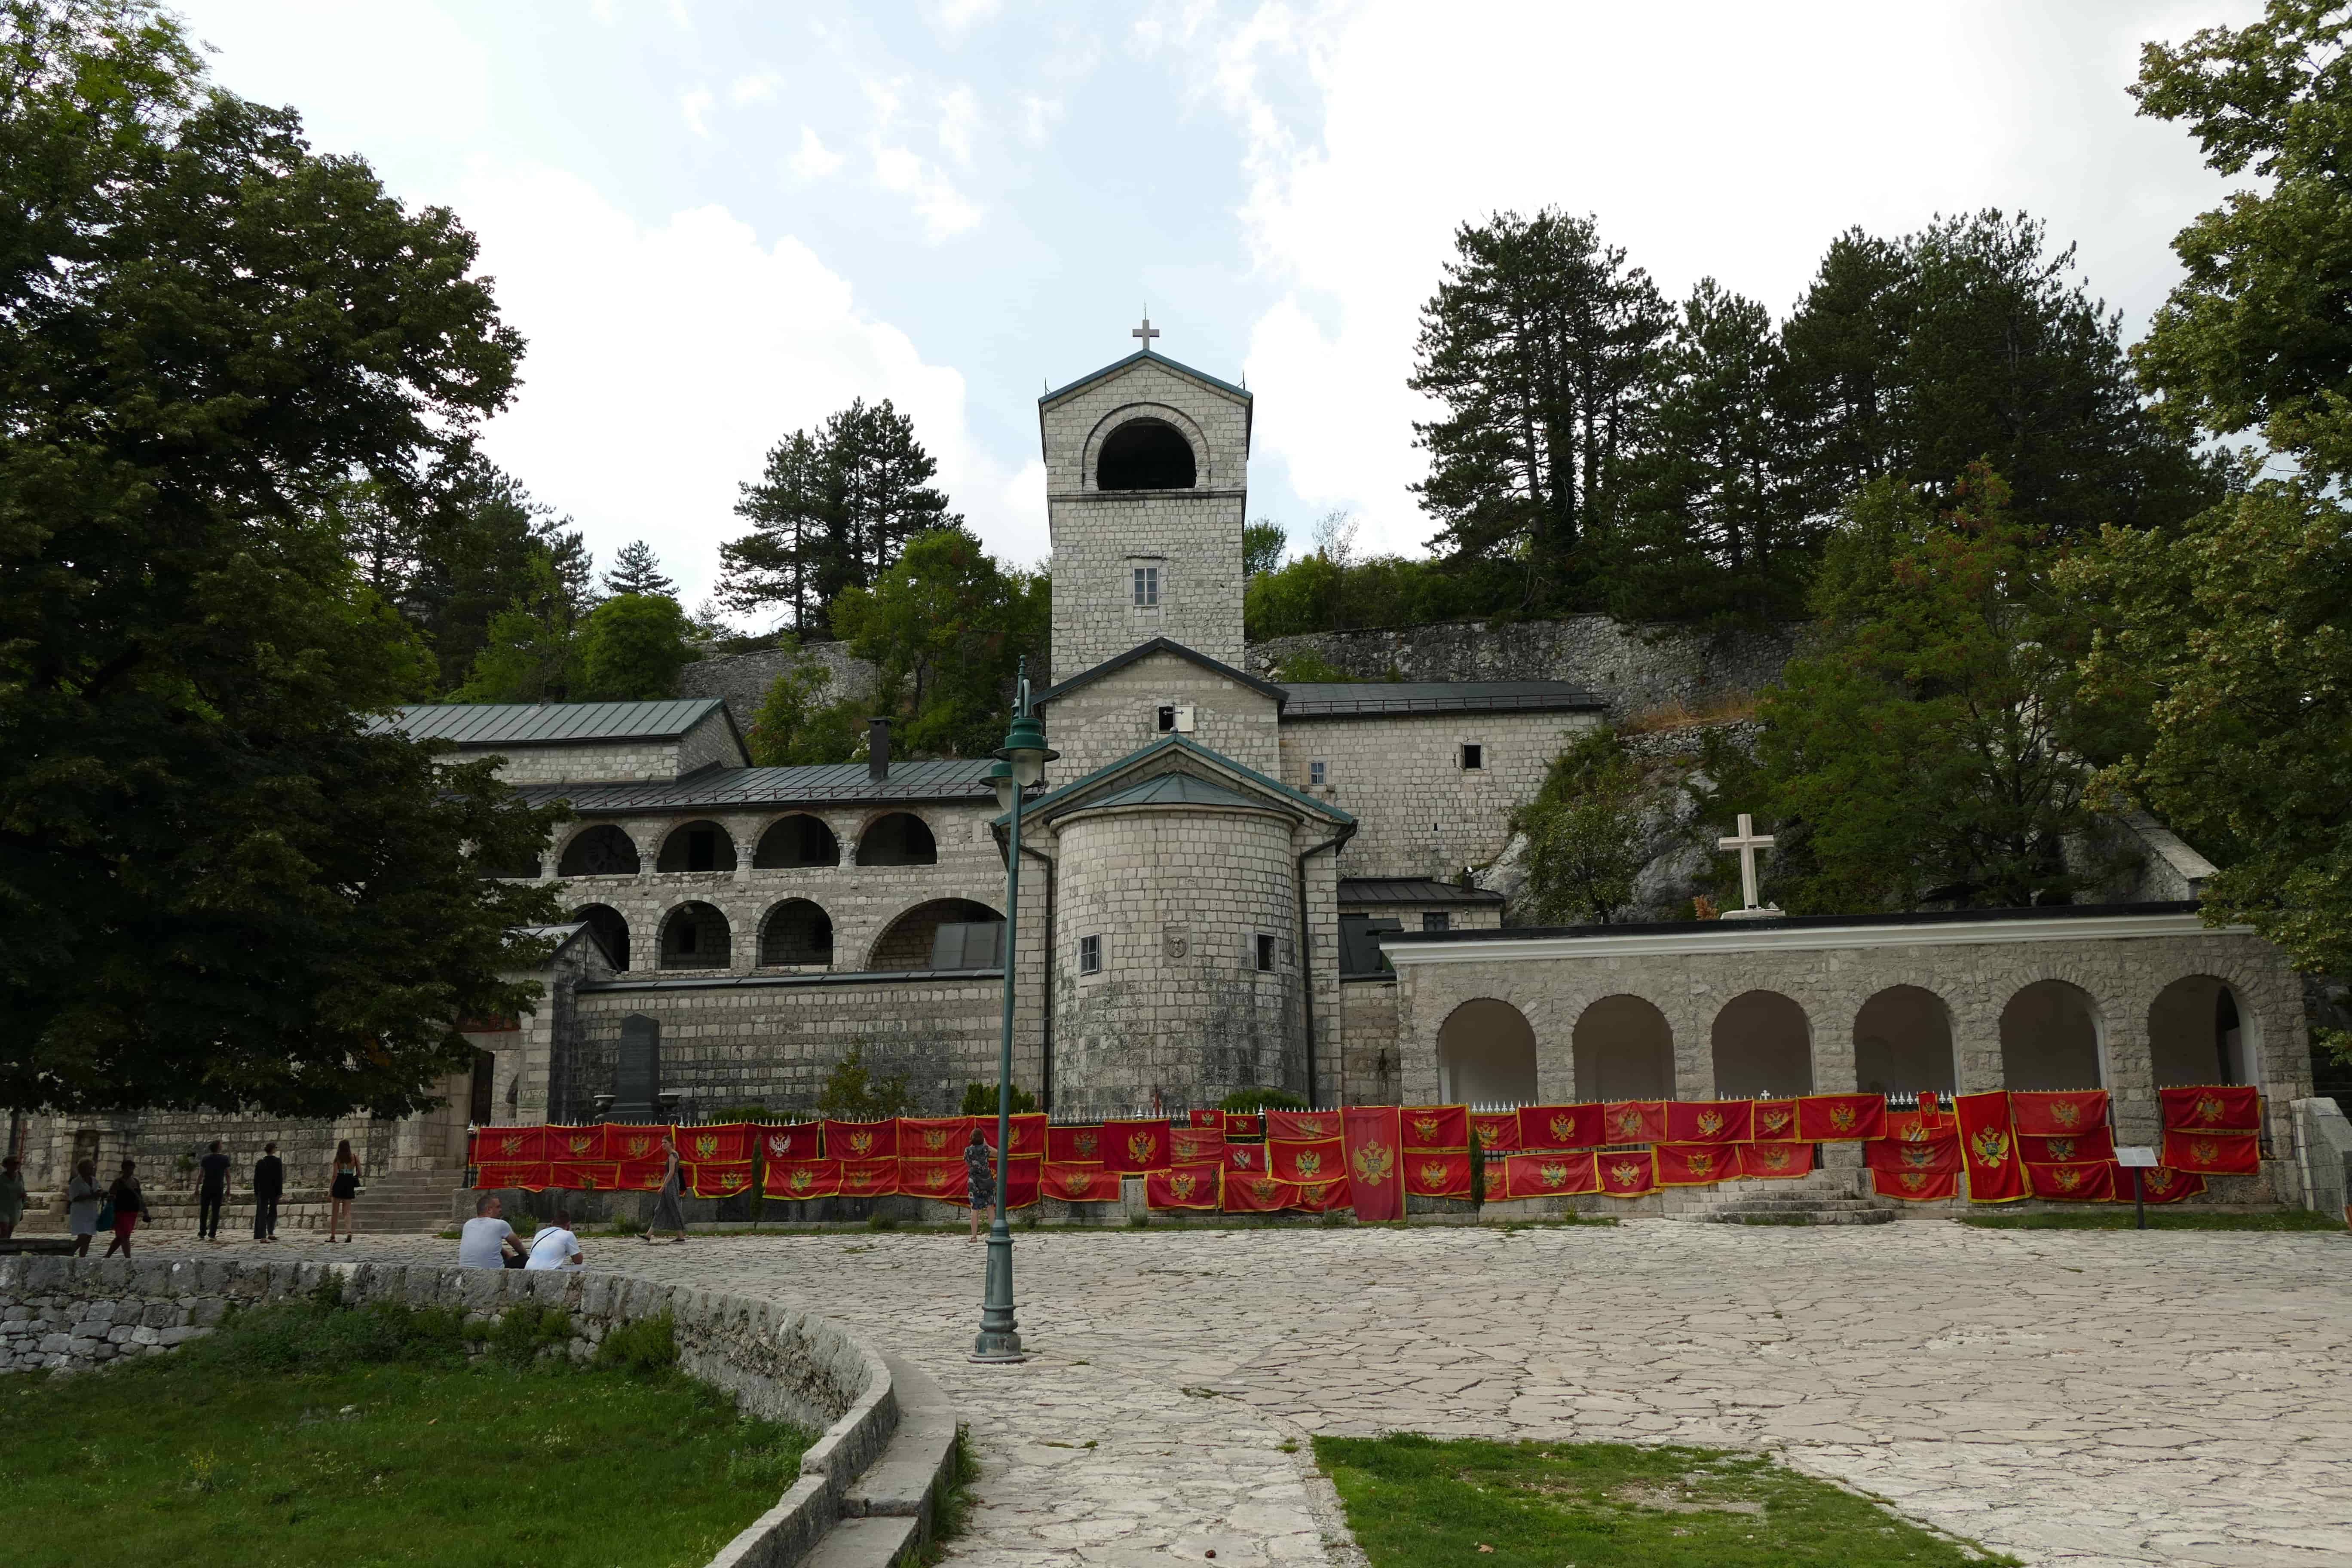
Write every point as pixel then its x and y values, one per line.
pixel 555 1247
pixel 487 1241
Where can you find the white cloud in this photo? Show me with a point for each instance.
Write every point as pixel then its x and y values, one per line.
pixel 1039 115
pixel 959 119
pixel 695 105
pixel 954 18
pixel 946 212
pixel 665 359
pixel 813 159
pixel 758 87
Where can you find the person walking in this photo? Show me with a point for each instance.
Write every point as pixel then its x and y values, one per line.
pixel 84 1196
pixel 342 1186
pixel 211 1192
pixel 669 1213
pixel 129 1204
pixel 12 1196
pixel 980 1183
pixel 269 1186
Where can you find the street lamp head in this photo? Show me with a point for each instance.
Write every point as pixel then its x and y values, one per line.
pixel 1000 779
pixel 1024 747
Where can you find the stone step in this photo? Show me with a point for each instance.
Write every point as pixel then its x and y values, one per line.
pixel 877 1540
pixel 919 1466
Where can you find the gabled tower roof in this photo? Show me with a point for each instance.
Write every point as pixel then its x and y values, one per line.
pixel 1240 395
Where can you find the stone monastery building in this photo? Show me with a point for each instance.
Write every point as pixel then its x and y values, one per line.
pixel 1228 883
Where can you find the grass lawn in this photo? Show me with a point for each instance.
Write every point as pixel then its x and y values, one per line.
pixel 305 1435
pixel 2120 1218
pixel 1418 1502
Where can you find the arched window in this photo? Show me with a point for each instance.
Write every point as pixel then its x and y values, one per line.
pixel 1903 1043
pixel 610 929
pixel 1145 454
pixel 698 847
pixel 796 840
pixel 602 850
pixel 796 931
pixel 1624 1050
pixel 2199 1033
pixel 1762 1046
pixel 695 936
pixel 902 838
pixel 2050 1038
pixel 1486 1055
pixel 945 933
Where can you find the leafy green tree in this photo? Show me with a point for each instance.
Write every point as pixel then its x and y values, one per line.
pixel 531 650
pixel 637 570
pixel 632 647
pixel 980 1099
pixel 1925 751
pixel 2256 334
pixel 221 886
pixel 1263 543
pixel 1600 817
pixel 795 726
pixel 946 624
pixel 852 1093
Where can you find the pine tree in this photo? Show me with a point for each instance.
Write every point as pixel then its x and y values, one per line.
pixel 635 569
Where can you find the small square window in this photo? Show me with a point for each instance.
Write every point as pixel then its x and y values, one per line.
pixel 1319 774
pixel 1146 587
pixel 1473 757
pixel 1265 954
pixel 1167 718
pixel 1090 955
pixel 1433 922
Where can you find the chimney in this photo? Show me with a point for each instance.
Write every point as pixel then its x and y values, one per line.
pixel 877 748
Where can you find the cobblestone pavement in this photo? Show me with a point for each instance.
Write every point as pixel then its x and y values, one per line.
pixel 2087 1398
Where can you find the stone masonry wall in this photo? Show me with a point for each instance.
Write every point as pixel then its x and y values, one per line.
pixel 615 762
pixel 1369 1071
pixel 1108 719
pixel 742 679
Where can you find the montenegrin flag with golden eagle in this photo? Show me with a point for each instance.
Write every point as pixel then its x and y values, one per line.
pixel 1076 1145
pixel 2212 1108
pixel 1709 1122
pixel 1179 1188
pixel 1624 1175
pixel 790 1140
pixel 584 1175
pixel 868 1178
pixel 942 1180
pixel 1438 1129
pixel 1775 1121
pixel 1135 1148
pixel 1549 1176
pixel 528 1175
pixel 1301 1126
pixel 925 1137
pixel 1323 1162
pixel 1840 1118
pixel 2098 1143
pixel 1495 1129
pixel 869 1141
pixel 1697 1164
pixel 638 1142
pixel 578 1144
pixel 796 1179
pixel 720 1178
pixel 2076 1180
pixel 1434 1174
pixel 730 1143
pixel 1247 1157
pixel 508 1145
pixel 2216 1154
pixel 1774 1161
pixel 1079 1183
pixel 2040 1113
pixel 1988 1148
pixel 1255 1193
pixel 1028 1132
pixel 1375 1150
pixel 1634 1120
pixel 1916 1186
pixel 1190 1145
pixel 1562 1127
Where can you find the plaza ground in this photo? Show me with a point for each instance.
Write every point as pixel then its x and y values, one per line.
pixel 2092 1399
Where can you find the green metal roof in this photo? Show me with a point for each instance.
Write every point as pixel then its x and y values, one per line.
pixel 548 723
pixel 1176 789
pixel 1181 746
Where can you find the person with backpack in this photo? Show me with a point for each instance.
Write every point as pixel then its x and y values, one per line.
pixel 126 1204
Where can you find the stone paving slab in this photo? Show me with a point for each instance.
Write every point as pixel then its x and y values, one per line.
pixel 2091 1399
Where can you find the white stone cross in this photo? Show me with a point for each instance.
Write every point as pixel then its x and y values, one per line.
pixel 1747 841
pixel 1147 332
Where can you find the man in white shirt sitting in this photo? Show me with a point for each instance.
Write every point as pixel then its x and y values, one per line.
pixel 487 1239
pixel 555 1247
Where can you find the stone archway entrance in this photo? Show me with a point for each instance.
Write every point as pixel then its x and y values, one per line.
pixel 1624 1050
pixel 1903 1043
pixel 1763 1044
pixel 2050 1038
pixel 2199 1031
pixel 1486 1055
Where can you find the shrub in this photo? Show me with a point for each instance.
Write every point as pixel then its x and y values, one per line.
pixel 644 1348
pixel 318 1333
pixel 980 1099
pixel 526 1329
pixel 1262 1098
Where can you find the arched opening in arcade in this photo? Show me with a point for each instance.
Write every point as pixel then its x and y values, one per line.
pixel 698 847
pixel 602 850
pixel 1146 455
pixel 945 933
pixel 2050 1038
pixel 1903 1043
pixel 611 930
pixel 695 936
pixel 793 841
pixel 796 931
pixel 2198 1031
pixel 1624 1050
pixel 902 838
pixel 1486 1055
pixel 1763 1045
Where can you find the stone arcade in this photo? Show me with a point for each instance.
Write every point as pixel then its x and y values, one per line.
pixel 1211 874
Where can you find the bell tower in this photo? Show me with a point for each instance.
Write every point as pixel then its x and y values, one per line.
pixel 1147 484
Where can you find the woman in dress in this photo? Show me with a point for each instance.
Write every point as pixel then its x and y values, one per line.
pixel 84 1194
pixel 130 1204
pixel 668 1213
pixel 980 1181
pixel 342 1186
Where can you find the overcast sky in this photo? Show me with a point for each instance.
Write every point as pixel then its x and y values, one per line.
pixel 717 223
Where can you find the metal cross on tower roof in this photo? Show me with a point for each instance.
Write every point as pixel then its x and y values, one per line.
pixel 1147 332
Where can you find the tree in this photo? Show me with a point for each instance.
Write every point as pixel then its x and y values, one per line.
pixel 1263 543
pixel 637 570
pixel 1842 349
pixel 1925 751
pixel 794 727
pixel 221 885
pixel 981 1100
pixel 1540 344
pixel 2256 334
pixel 632 649
pixel 1598 818
pixel 946 624
pixel 530 650
pixel 852 1093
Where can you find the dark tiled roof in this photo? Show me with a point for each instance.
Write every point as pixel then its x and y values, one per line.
pixel 1136 358
pixel 1343 699
pixel 1066 797
pixel 1814 922
pixel 1411 890
pixel 1176 789
pixel 548 723
pixel 767 982
pixel 1145 650
pixel 831 783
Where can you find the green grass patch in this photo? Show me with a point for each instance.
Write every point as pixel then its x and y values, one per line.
pixel 2120 1218
pixel 1418 1502
pixel 308 1432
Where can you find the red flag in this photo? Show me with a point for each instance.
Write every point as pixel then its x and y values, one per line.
pixel 1190 1145
pixel 791 1140
pixel 1245 1157
pixel 1549 1176
pixel 1437 1174
pixel 1776 1122
pixel 942 1180
pixel 1840 1118
pixel 1256 1194
pixel 1022 1180
pixel 1916 1186
pixel 1079 1183
pixel 1710 1122
pixel 2212 1108
pixel 2161 1185
pixel 1928 1111
pixel 634 1140
pixel 868 1178
pixel 2221 1155
pixel 1495 1129
pixel 1774 1162
pixel 718 1178
pixel 1497 1178
pixel 1133 1148
pixel 510 1145
pixel 1320 1197
pixel 2098 1143
pixel 925 1137
pixel 531 1176
pixel 729 1143
pixel 1634 1120
pixel 577 1143
pixel 2040 1113
pixel 2079 1181
pixel 1081 1145
pixel 1215 1119
pixel 1697 1164
pixel 641 1175
pixel 1626 1176
pixel 1244 1127
pixel 1560 1127
pixel 1028 1132
pixel 1988 1148
pixel 1375 1144
pixel 1324 1162
pixel 1193 1186
pixel 1939 1153
pixel 584 1175
pixel 869 1140
pixel 1443 1127
pixel 797 1179
pixel 1301 1126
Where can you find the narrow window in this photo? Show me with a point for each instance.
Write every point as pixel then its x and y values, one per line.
pixel 1319 774
pixel 1433 922
pixel 1089 955
pixel 1473 757
pixel 1265 954
pixel 1167 718
pixel 1146 587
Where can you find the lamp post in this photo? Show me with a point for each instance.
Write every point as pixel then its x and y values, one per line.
pixel 1021 762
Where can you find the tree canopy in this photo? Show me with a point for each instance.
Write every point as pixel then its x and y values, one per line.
pixel 947 624
pixel 635 569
